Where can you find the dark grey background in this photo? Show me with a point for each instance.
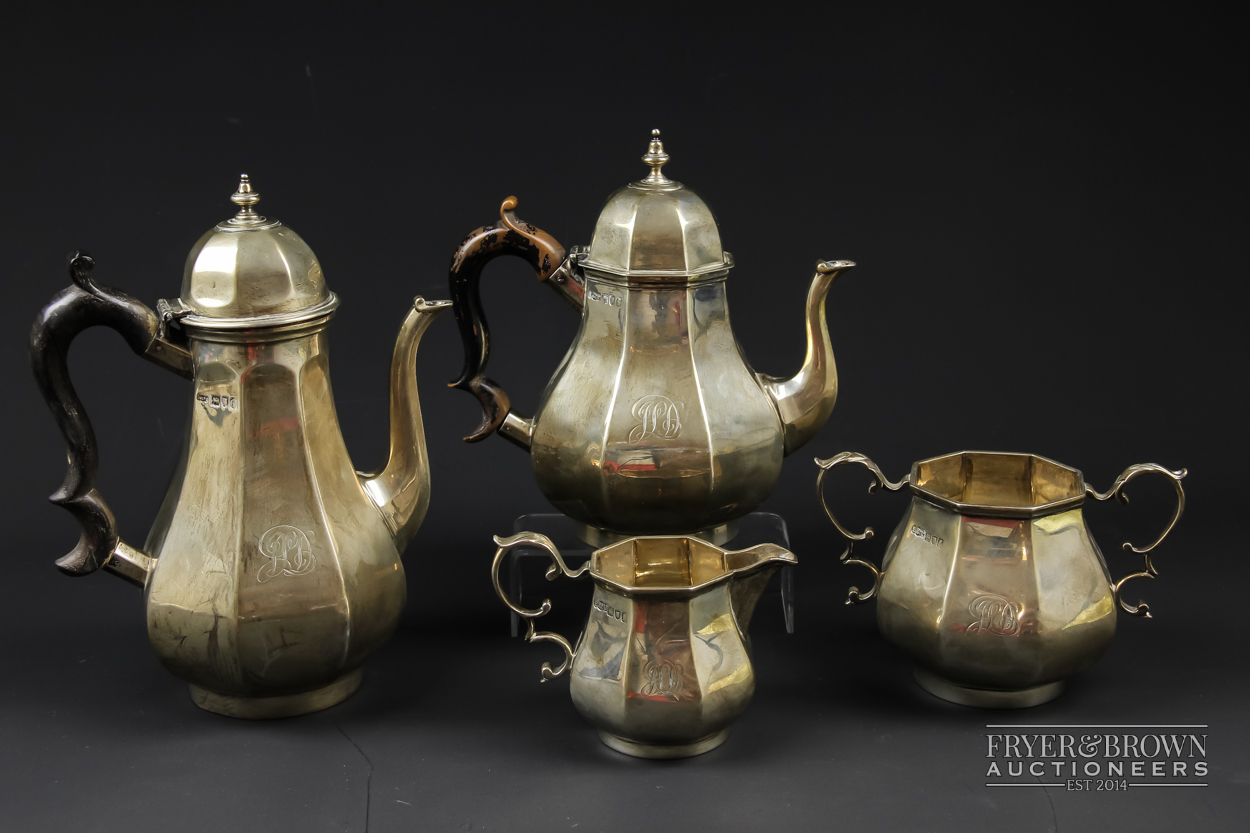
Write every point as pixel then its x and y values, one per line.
pixel 1046 210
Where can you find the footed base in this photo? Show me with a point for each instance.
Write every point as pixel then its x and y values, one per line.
pixel 596 537
pixel 987 698
pixel 659 750
pixel 287 705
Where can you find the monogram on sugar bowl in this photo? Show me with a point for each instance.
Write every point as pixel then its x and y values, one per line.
pixel 992 583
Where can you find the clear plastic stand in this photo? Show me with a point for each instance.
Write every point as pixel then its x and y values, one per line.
pixel 755 528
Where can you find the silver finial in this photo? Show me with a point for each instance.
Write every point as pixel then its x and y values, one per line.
pixel 245 198
pixel 656 158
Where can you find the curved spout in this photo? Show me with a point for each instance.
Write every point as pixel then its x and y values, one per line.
pixel 806 399
pixel 401 490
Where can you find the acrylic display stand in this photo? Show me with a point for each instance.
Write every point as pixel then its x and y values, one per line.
pixel 528 565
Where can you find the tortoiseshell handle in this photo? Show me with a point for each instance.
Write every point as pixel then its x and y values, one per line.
pixel 509 236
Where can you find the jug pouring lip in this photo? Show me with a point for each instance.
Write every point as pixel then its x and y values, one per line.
pixel 997 484
pixel 766 555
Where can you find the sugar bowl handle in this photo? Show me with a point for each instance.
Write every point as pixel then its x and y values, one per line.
pixel 854 596
pixel 1117 491
pixel 87 304
pixel 557 568
pixel 509 236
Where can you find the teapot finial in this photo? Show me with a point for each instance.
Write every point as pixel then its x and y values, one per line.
pixel 245 198
pixel 656 158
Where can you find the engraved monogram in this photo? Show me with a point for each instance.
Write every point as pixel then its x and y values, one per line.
pixel 288 551
pixel 995 615
pixel 658 416
pixel 663 677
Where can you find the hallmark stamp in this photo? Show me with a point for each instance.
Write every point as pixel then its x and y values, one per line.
pixel 611 612
pixel 222 403
pixel 604 298
pixel 927 536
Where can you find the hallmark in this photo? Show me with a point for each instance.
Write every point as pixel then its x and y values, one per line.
pixel 925 535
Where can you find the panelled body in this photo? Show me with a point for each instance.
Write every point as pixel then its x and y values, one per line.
pixel 992 583
pixel 996 603
pixel 663 666
pixel 274 572
pixel 654 421
pixel 662 671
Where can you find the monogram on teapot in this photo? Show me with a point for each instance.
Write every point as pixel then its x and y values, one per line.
pixel 654 422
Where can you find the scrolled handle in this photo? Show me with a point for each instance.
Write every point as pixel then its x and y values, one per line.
pixel 509 236
pixel 853 596
pixel 72 310
pixel 1117 491
pixel 554 571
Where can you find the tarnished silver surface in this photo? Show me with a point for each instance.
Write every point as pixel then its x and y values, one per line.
pixel 654 422
pixel 992 583
pixel 272 571
pixel 663 666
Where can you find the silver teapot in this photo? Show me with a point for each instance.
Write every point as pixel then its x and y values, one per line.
pixel 273 569
pixel 654 422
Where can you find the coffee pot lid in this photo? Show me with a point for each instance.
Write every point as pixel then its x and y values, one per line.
pixel 657 229
pixel 252 270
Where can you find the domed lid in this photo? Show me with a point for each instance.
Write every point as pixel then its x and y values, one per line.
pixel 657 229
pixel 252 271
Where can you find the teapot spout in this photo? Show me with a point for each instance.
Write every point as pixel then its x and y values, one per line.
pixel 401 490
pixel 806 399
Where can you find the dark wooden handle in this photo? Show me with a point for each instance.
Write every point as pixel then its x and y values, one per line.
pixel 509 236
pixel 72 310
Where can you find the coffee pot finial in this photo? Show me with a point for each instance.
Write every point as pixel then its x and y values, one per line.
pixel 656 158
pixel 245 198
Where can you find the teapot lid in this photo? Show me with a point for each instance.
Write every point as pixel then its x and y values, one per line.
pixel 657 229
pixel 252 271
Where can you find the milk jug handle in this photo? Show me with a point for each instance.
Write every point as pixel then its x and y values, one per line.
pixel 1117 491
pixel 853 595
pixel 509 236
pixel 81 305
pixel 557 568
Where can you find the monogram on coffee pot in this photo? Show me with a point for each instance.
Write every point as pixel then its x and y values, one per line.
pixel 273 569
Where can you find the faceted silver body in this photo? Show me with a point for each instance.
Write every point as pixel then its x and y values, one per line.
pixel 274 573
pixel 992 583
pixel 654 421
pixel 663 666
pixel 273 569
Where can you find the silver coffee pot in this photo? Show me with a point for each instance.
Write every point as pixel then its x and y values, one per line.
pixel 273 569
pixel 654 422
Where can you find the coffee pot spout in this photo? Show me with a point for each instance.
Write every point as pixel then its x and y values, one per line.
pixel 806 399
pixel 401 490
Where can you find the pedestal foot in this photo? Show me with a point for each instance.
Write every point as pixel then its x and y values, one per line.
pixel 287 705
pixel 659 750
pixel 987 698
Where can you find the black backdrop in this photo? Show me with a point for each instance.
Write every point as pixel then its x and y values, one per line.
pixel 1043 207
